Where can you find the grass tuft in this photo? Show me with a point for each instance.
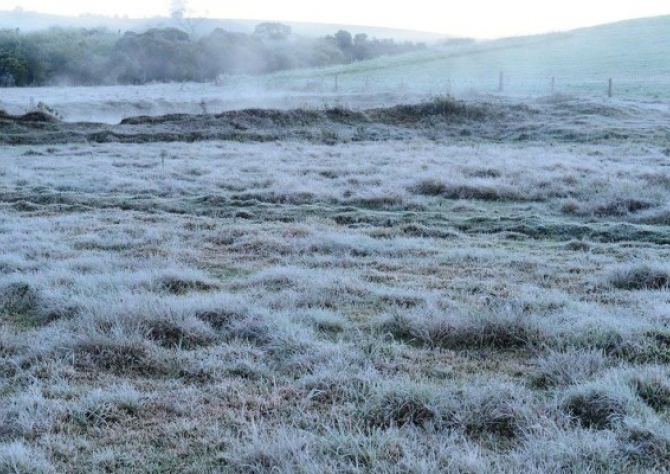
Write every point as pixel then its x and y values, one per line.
pixel 429 187
pixel 621 207
pixel 18 458
pixel 177 285
pixel 560 369
pixel 492 329
pixel 120 357
pixel 502 410
pixel 187 334
pixel 639 277
pixel 646 446
pixel 18 299
pixel 595 407
pixel 101 408
pixel 405 405
pixel 483 191
pixel 653 389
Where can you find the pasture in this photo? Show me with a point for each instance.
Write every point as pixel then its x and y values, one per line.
pixel 388 281
pixel 418 299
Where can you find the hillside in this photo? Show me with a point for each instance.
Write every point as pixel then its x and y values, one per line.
pixel 633 53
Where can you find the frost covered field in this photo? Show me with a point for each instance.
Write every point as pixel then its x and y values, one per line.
pixel 412 290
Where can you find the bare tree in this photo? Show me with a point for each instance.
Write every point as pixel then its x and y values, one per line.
pixel 178 9
pixel 183 16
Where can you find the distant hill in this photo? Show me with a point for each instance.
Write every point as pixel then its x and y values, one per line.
pixel 634 53
pixel 31 21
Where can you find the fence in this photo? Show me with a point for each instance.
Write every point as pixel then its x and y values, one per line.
pixel 501 82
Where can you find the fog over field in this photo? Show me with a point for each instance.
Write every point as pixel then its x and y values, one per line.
pixel 407 264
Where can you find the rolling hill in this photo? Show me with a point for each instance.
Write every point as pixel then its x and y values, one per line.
pixel 635 54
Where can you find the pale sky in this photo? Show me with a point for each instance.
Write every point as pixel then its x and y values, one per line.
pixel 475 18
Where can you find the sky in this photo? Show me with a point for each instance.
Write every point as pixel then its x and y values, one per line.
pixel 472 18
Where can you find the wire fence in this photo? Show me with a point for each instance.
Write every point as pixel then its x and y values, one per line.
pixel 655 87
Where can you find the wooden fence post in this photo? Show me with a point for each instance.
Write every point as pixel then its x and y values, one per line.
pixel 336 82
pixel 501 82
pixel 609 89
pixel 553 84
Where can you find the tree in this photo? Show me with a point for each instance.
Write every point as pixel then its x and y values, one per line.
pixel 344 40
pixel 361 47
pixel 166 54
pixel 178 9
pixel 225 52
pixel 273 31
pixel 19 62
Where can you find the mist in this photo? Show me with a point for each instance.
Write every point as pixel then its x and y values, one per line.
pixel 79 56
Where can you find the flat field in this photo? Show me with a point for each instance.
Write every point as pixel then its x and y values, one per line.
pixel 463 287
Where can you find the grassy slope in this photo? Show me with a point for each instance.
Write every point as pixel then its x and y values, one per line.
pixel 633 53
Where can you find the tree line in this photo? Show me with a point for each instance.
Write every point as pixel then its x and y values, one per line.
pixel 99 56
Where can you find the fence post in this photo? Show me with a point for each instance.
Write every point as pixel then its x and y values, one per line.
pixel 501 82
pixel 609 89
pixel 553 84
pixel 336 82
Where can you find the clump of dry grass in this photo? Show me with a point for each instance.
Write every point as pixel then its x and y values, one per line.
pixel 578 245
pixel 185 334
pixel 598 405
pixel 647 446
pixel 561 369
pixel 18 457
pixel 621 207
pixel 429 187
pixel 101 408
pixel 639 277
pixel 222 309
pixel 120 356
pixel 653 387
pixel 18 299
pixel 177 284
pixel 609 206
pixel 497 410
pixel 405 404
pixel 482 189
pixel 482 172
pixel 570 206
pixel 454 329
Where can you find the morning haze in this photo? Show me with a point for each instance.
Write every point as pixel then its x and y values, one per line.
pixel 344 238
pixel 471 18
